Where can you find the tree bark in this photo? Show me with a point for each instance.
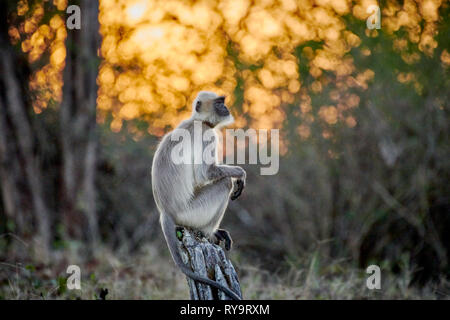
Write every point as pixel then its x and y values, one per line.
pixel 208 260
pixel 23 173
pixel 21 185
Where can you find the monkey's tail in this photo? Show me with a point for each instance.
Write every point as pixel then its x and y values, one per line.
pixel 168 227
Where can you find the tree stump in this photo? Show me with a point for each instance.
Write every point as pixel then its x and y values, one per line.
pixel 208 260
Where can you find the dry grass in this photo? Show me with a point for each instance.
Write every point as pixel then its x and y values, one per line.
pixel 150 274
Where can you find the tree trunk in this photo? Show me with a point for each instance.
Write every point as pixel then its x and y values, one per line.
pixel 21 176
pixel 78 125
pixel 24 176
pixel 208 260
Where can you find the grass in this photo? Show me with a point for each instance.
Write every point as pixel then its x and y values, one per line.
pixel 150 274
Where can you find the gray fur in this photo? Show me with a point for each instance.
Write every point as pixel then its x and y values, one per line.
pixel 193 195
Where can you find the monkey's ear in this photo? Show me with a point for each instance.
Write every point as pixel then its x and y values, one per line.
pixel 198 106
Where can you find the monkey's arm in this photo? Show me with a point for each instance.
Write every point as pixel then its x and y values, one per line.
pixel 215 172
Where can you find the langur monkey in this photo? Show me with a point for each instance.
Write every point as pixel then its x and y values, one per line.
pixel 196 195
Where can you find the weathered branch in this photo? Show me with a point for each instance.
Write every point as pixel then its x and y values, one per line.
pixel 208 260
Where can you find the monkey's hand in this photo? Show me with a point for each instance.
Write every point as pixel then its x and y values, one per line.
pixel 222 235
pixel 240 184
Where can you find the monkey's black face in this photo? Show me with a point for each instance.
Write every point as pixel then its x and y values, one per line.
pixel 220 107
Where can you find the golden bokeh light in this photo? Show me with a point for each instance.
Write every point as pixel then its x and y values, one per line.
pixel 36 39
pixel 170 50
pixel 157 54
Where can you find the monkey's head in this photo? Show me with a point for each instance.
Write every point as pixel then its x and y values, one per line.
pixel 210 108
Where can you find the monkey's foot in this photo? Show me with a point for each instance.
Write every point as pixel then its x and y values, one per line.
pixel 196 233
pixel 223 235
pixel 240 184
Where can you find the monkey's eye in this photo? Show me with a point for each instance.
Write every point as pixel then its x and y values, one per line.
pixel 198 105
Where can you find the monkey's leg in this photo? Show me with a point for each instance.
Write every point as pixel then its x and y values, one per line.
pixel 207 207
